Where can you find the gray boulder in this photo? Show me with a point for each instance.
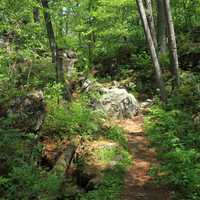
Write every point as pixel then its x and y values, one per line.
pixel 117 103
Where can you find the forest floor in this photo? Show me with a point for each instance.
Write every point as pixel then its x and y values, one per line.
pixel 138 184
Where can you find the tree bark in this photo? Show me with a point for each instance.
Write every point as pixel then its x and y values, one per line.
pixel 91 35
pixel 36 15
pixel 162 27
pixel 152 49
pixel 172 44
pixel 50 32
pixel 150 19
pixel 59 65
pixel 61 75
pixel 57 53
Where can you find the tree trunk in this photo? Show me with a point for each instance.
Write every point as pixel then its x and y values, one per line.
pixel 61 75
pixel 152 49
pixel 162 27
pixel 59 65
pixel 57 53
pixel 36 15
pixel 91 35
pixel 172 43
pixel 150 19
pixel 49 27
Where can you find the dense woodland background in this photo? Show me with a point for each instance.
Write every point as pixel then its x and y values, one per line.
pixel 52 47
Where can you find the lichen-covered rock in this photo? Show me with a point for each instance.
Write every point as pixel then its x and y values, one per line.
pixel 117 103
pixel 28 111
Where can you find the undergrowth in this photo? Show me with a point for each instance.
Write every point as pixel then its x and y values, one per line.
pixel 22 177
pixel 110 188
pixel 175 133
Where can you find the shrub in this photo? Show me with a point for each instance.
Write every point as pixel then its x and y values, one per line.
pixel 177 141
pixel 116 134
pixel 69 118
pixel 110 189
pixel 20 176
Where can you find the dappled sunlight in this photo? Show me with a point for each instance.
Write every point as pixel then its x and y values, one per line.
pixel 138 184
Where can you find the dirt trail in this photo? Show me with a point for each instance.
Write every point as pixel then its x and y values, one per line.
pixel 138 184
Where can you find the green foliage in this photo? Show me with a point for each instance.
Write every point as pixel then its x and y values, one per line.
pixel 97 30
pixel 30 182
pixel 20 177
pixel 74 118
pixel 189 93
pixel 110 189
pixel 116 134
pixel 173 131
pixel 116 154
pixel 144 72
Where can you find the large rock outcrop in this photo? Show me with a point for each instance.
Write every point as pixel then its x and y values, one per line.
pixel 117 103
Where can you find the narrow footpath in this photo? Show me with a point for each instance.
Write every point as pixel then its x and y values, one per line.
pixel 138 184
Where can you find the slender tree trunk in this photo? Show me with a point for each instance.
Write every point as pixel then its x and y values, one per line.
pixel 152 49
pixel 172 44
pixel 162 27
pixel 49 27
pixel 36 15
pixel 57 53
pixel 150 19
pixel 91 36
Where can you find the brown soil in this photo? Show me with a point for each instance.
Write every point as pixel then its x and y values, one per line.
pixel 138 184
